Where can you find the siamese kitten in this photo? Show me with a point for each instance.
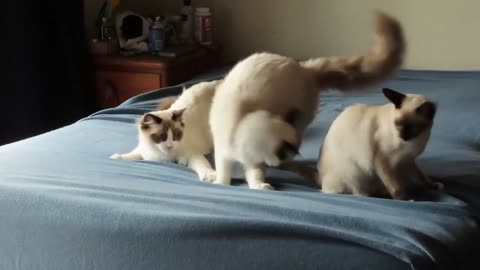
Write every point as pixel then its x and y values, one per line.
pixel 260 111
pixel 179 133
pixel 370 150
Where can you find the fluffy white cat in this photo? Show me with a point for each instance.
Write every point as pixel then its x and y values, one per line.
pixel 370 150
pixel 261 110
pixel 180 132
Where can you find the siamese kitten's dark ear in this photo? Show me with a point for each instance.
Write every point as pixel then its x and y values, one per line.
pixel 149 119
pixel 395 97
pixel 427 110
pixel 177 115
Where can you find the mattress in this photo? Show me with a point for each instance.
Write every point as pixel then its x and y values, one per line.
pixel 65 205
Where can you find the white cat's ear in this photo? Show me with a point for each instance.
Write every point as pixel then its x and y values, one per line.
pixel 395 97
pixel 149 119
pixel 177 114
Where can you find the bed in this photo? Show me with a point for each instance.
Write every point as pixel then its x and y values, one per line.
pixel 65 205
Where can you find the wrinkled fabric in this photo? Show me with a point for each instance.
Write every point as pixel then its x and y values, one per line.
pixel 65 205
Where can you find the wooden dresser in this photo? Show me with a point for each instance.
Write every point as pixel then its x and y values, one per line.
pixel 120 77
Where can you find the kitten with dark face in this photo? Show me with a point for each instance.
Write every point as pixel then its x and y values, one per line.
pixel 159 137
pixel 371 150
pixel 178 131
pixel 162 130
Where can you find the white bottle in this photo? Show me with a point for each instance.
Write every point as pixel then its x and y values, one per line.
pixel 203 26
pixel 187 19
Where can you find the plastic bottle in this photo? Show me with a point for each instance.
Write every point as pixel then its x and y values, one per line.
pixel 156 39
pixel 106 29
pixel 203 26
pixel 187 20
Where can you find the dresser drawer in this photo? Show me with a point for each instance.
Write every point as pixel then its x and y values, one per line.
pixel 114 87
pixel 119 77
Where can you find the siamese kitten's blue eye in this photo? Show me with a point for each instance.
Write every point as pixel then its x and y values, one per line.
pixel 411 127
pixel 410 130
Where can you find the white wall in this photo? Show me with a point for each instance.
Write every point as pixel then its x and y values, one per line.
pixel 442 34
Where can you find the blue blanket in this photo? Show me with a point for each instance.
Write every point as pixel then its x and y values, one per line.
pixel 65 205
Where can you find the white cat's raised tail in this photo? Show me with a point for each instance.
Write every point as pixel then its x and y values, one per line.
pixel 260 111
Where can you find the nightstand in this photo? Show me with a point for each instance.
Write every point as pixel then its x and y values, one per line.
pixel 120 77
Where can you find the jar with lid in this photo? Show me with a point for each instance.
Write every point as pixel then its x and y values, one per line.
pixel 203 26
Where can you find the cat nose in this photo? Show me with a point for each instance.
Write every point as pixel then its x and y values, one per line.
pixel 169 146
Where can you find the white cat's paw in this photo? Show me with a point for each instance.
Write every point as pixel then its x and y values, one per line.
pixel 209 177
pixel 438 186
pixel 182 161
pixel 216 182
pixel 221 182
pixel 273 161
pixel 116 156
pixel 262 186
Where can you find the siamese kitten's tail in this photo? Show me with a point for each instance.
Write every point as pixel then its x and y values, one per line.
pixel 262 137
pixel 356 72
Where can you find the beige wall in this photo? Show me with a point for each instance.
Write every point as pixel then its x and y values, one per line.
pixel 442 34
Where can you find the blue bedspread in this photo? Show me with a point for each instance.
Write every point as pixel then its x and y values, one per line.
pixel 65 205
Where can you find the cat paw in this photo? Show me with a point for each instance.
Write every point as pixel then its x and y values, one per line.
pixel 361 193
pixel 209 177
pixel 400 195
pixel 216 182
pixel 116 156
pixel 438 186
pixel 182 161
pixel 263 186
pixel 273 161
pixel 219 181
